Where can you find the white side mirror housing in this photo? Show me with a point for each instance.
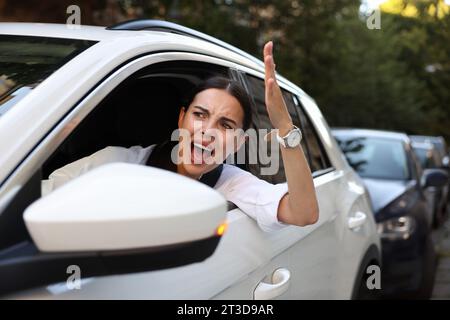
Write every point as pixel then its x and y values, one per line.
pixel 124 206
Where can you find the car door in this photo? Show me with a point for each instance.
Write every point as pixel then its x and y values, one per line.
pixel 308 253
pixel 427 195
pixel 344 204
pixel 325 259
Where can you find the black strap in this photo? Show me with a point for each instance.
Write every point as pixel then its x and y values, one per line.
pixel 210 178
pixel 161 158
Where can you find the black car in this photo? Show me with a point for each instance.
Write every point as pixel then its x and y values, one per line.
pixel 398 188
pixel 442 149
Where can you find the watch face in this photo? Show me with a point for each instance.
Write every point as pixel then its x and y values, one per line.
pixel 293 139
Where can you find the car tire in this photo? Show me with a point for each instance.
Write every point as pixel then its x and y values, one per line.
pixel 425 291
pixel 363 292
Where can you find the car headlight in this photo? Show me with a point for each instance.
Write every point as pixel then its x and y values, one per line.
pixel 396 228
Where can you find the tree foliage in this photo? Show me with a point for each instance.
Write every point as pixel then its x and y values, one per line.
pixel 397 77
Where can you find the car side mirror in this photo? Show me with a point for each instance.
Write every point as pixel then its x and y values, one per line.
pixel 434 178
pixel 446 162
pixel 118 218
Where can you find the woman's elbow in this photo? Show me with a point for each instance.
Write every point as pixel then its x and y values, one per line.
pixel 313 216
pixel 310 216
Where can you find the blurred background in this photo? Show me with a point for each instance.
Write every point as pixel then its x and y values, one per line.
pixel 394 78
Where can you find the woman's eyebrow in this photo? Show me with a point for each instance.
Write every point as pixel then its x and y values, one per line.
pixel 230 120
pixel 222 118
pixel 202 109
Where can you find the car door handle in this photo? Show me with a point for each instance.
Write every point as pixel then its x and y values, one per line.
pixel 357 221
pixel 278 286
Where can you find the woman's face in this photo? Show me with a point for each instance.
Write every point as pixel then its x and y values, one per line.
pixel 209 131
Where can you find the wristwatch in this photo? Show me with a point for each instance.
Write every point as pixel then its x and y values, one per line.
pixel 292 139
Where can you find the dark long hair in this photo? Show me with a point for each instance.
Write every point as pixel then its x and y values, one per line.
pixel 232 87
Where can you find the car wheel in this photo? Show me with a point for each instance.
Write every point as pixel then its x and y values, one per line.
pixel 364 293
pixel 429 271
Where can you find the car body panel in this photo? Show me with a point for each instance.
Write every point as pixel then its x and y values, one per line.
pixel 382 192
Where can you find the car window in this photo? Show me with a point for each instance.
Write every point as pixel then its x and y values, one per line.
pixel 376 158
pixel 310 144
pixel 27 61
pixel 318 159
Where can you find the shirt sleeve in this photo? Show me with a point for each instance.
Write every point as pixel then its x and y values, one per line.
pixel 75 169
pixel 257 198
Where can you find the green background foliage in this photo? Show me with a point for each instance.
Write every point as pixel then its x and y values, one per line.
pixel 396 78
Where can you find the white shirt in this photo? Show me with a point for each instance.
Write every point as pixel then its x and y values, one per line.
pixel 257 198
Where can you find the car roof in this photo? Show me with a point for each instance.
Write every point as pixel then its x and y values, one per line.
pixel 431 139
pixel 172 40
pixel 371 133
pixel 55 30
pixel 422 145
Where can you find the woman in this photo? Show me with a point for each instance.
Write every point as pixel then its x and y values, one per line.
pixel 216 109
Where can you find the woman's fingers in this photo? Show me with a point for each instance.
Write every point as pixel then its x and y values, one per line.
pixel 269 73
pixel 268 48
pixel 269 87
pixel 270 96
pixel 268 61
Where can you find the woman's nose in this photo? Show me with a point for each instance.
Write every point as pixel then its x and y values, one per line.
pixel 207 127
pixel 209 132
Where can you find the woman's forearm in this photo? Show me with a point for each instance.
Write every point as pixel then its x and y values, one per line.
pixel 300 205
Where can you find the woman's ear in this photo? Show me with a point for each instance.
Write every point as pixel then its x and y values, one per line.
pixel 181 116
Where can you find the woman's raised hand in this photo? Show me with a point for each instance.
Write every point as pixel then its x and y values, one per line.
pixel 275 104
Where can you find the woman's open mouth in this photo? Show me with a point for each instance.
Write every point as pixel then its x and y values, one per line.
pixel 200 154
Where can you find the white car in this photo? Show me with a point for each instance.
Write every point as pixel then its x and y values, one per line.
pixel 120 231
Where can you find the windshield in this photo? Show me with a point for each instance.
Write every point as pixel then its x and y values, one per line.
pixel 376 158
pixel 27 61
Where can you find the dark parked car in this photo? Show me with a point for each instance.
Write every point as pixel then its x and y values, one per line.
pixel 429 158
pixel 398 188
pixel 441 147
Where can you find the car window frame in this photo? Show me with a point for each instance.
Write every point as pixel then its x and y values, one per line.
pixel 326 162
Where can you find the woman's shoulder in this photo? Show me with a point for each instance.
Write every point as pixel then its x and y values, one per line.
pixel 133 154
pixel 231 170
pixel 232 175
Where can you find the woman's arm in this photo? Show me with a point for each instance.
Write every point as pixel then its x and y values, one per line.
pixel 299 206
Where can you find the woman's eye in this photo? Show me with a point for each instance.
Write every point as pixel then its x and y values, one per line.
pixel 199 115
pixel 227 126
